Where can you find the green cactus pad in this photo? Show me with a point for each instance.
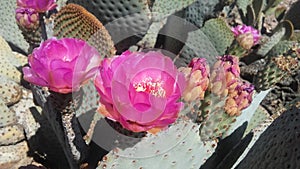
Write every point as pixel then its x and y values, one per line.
pixel 7 117
pixel 216 122
pixel 242 5
pixel 274 71
pixel 10 91
pixel 164 8
pixel 14 156
pixel 9 29
pixel 7 54
pixel 11 134
pixel 23 110
pixel 281 48
pixel 9 71
pixel 257 119
pixel 197 45
pixel 110 10
pixel 219 34
pixel 177 147
pixel 75 21
pixel 4 47
pixel 21 59
pixel 150 38
pixel 293 14
pixel 122 19
pixel 282 33
pixel 197 12
pixel 257 131
pixel 278 146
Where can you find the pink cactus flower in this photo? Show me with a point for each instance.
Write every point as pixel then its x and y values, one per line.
pixel 27 18
pixel 247 36
pixel 197 77
pixel 38 5
pixel 225 75
pixel 239 99
pixel 62 65
pixel 140 90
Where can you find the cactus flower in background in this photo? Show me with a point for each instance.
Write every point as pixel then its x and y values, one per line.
pixel 62 65
pixel 197 77
pixel 247 36
pixel 40 6
pixel 239 99
pixel 27 18
pixel 140 90
pixel 225 75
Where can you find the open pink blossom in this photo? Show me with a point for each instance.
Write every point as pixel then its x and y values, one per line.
pixel 247 36
pixel 62 65
pixel 38 5
pixel 140 90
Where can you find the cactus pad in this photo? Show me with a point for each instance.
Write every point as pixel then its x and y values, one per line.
pixel 164 8
pixel 10 91
pixel 197 12
pixel 281 33
pixel 278 146
pixel 197 45
pixel 122 19
pixel 110 10
pixel 219 34
pixel 75 21
pixel 23 110
pixel 275 69
pixel 9 29
pixel 7 117
pixel 14 156
pixel 184 150
pixel 215 120
pixel 11 134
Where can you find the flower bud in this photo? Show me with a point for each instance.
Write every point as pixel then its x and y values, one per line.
pixel 197 79
pixel 246 36
pixel 225 75
pixel 239 99
pixel 27 18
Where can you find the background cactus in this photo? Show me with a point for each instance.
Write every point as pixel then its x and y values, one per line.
pixel 74 21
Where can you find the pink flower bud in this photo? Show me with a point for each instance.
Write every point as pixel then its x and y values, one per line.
pixel 225 75
pixel 197 77
pixel 239 99
pixel 27 18
pixel 246 36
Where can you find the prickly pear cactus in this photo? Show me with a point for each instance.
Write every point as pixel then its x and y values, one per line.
pixel 276 68
pixel 164 150
pixel 9 29
pixel 278 146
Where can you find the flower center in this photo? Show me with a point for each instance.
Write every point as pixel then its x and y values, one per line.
pixel 150 86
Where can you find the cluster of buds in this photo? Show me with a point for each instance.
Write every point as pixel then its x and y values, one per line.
pixel 246 36
pixel 226 82
pixel 225 75
pixel 239 98
pixel 197 79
